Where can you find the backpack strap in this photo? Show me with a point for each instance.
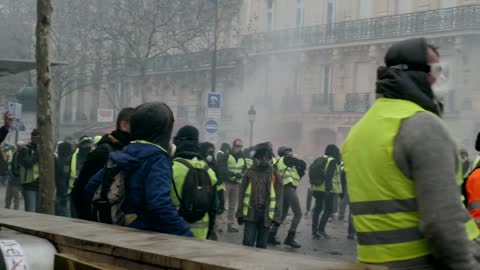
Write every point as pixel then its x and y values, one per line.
pixel 189 166
pixel 111 170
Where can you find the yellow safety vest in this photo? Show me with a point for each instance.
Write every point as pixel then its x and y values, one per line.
pixel 29 175
pixel 336 183
pixel 199 228
pixel 249 162
pixel 271 206
pixel 235 167
pixel 73 171
pixel 289 174
pixel 383 199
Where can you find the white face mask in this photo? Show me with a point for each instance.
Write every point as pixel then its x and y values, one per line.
pixel 441 87
pixel 172 149
pixel 209 158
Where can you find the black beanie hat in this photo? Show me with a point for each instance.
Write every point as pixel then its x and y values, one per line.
pixel 187 143
pixel 186 133
pixel 263 150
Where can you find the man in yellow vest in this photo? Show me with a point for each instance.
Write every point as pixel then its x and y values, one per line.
pixel 28 164
pixel 232 169
pixel 326 193
pixel 291 170
pixel 76 164
pixel 404 171
pixel 260 198
pixel 187 157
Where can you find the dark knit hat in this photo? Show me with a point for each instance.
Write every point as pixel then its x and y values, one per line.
pixel 262 150
pixel 186 133
pixel 187 143
pixel 35 132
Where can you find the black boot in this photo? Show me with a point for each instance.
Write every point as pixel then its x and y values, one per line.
pixel 272 239
pixel 290 240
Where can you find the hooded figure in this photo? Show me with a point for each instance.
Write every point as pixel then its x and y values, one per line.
pixel 187 143
pixel 327 193
pixel 406 75
pixel 149 170
pixel 207 153
pixel 187 157
pixel 97 159
pixel 260 179
pixel 403 171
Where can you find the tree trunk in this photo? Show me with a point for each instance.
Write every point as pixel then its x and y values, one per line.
pixel 44 111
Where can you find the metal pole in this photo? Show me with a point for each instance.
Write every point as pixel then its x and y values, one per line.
pixel 251 133
pixel 214 54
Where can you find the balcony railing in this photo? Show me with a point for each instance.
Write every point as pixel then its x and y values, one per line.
pixel 189 61
pixel 350 102
pixel 417 23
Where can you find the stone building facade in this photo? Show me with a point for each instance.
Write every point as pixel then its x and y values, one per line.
pixel 309 68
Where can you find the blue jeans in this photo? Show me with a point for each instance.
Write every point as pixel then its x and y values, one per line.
pixel 32 200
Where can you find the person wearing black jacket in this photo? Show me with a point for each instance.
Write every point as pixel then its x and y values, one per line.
pixel 97 159
pixel 326 193
pixel 7 124
pixel 207 153
pixel 62 169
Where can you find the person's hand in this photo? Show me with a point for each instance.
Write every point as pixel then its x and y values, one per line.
pixel 240 220
pixel 8 120
pixel 275 223
pixel 238 176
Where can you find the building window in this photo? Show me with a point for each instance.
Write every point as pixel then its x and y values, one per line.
pixel 327 83
pixel 300 12
pixel 330 15
pixel 270 15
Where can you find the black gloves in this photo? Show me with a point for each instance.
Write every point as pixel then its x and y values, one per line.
pixel 240 220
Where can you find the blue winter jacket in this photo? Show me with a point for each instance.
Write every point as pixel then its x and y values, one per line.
pixel 149 172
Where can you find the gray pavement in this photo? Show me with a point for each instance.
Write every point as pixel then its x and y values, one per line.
pixel 338 247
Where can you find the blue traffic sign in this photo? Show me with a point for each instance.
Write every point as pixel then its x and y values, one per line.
pixel 214 101
pixel 212 126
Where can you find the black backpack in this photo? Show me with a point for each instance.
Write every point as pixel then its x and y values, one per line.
pixel 108 200
pixel 198 195
pixel 317 171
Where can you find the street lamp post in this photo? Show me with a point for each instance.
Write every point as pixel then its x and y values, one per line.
pixel 251 117
pixel 214 53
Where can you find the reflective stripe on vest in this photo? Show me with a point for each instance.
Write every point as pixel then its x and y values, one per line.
pixel 289 174
pixel 73 171
pixel 249 162
pixel 383 199
pixel 271 205
pixel 236 167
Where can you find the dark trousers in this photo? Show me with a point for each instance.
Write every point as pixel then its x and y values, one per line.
pixel 351 229
pixel 309 199
pixel 323 202
pixel 256 233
